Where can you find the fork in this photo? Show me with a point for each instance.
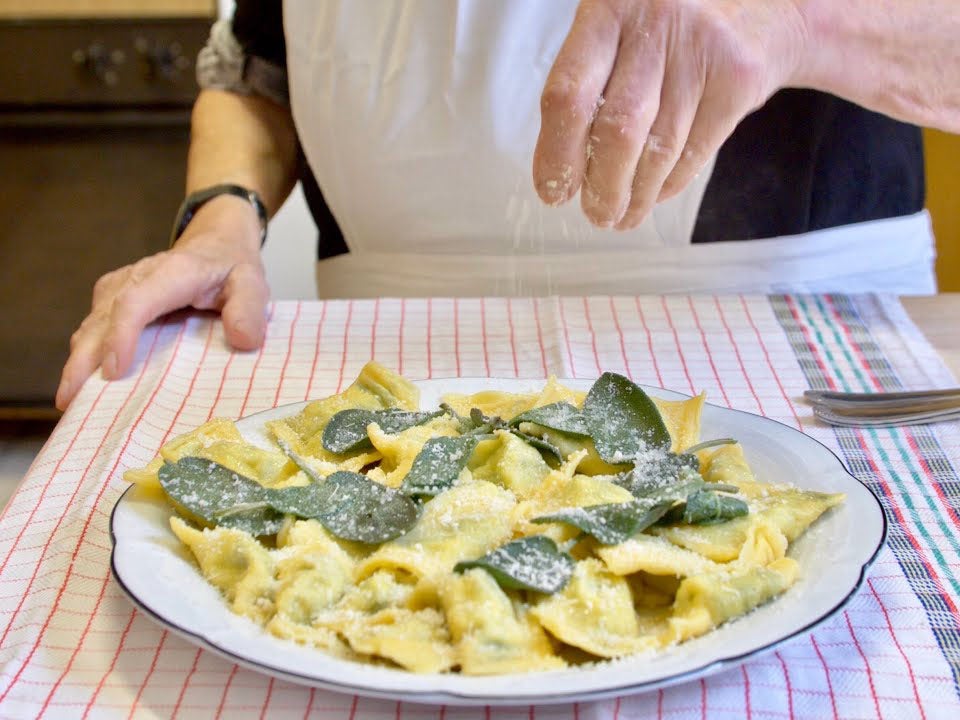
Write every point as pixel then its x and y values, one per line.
pixel 912 407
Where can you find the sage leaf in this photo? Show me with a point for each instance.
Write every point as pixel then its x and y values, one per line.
pixel 256 522
pixel 708 508
pixel 622 419
pixel 347 430
pixel 438 465
pixel 357 508
pixel 349 505
pixel 541 444
pixel 530 563
pixel 484 424
pixel 465 424
pixel 478 418
pixel 656 466
pixel 559 416
pixel 655 469
pixel 678 492
pixel 612 523
pixel 305 501
pixel 220 496
pixel 308 501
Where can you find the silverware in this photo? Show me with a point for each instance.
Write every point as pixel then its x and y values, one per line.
pixel 885 409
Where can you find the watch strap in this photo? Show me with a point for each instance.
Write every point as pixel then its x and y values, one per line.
pixel 195 200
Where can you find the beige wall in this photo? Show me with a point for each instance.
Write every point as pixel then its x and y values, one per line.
pixel 943 200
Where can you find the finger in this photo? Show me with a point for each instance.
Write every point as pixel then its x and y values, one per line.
pixel 570 96
pixel 169 282
pixel 86 354
pixel 715 121
pixel 621 128
pixel 664 145
pixel 244 317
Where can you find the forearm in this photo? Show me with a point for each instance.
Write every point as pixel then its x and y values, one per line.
pixel 898 57
pixel 245 140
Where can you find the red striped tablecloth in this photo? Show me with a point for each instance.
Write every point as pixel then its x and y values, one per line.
pixel 72 645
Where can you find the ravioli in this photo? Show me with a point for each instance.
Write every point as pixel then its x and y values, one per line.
pixel 400 450
pixel 705 601
pixel 511 463
pixel 790 510
pixel 594 613
pixel 493 634
pixel 654 555
pixel 236 564
pixel 564 488
pixel 376 388
pixel 464 522
pixel 415 640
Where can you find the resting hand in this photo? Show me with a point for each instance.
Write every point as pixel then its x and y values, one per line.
pixel 215 265
pixel 644 92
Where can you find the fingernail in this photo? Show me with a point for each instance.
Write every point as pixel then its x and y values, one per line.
pixel 110 365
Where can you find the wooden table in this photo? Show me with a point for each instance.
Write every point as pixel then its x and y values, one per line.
pixel 937 316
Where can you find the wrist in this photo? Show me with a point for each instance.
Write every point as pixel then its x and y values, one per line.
pixel 817 61
pixel 229 207
pixel 229 216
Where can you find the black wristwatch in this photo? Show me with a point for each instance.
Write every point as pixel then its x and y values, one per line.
pixel 195 200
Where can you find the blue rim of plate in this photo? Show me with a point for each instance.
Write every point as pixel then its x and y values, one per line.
pixel 436 697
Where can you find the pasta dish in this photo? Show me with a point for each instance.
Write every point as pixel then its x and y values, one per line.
pixel 497 533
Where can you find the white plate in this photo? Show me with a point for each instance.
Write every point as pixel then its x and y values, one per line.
pixel 161 578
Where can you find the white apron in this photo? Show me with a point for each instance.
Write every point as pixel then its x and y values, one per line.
pixel 419 119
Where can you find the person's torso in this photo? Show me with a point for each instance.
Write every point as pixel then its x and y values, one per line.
pixel 419 119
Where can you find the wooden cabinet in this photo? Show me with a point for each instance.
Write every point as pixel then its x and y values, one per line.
pixel 20 9
pixel 94 159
